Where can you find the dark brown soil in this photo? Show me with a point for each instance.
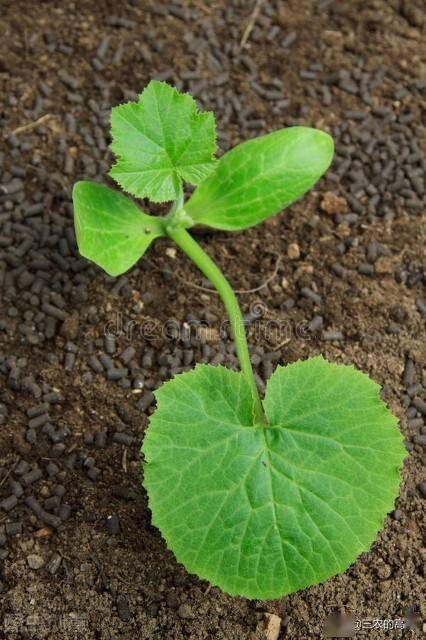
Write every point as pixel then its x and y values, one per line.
pixel 127 584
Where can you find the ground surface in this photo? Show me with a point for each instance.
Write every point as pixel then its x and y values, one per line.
pixel 344 276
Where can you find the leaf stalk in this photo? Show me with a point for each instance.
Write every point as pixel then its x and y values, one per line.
pixel 211 271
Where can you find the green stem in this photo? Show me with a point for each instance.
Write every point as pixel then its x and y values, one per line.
pixel 206 265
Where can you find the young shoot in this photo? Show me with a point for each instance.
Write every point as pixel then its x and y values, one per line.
pixel 260 496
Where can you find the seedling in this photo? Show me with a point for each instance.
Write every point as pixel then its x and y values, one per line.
pixel 261 497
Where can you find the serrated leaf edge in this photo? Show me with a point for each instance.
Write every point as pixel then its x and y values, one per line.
pixel 196 112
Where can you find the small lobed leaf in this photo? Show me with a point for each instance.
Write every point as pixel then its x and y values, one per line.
pixel 265 511
pixel 161 140
pixel 111 230
pixel 258 178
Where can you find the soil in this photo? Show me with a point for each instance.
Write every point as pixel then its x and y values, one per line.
pixel 339 274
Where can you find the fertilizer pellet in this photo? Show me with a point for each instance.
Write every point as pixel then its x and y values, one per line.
pixel 37 410
pixel 316 323
pixel 96 364
pixel 9 503
pixel 106 362
pixel 366 269
pixel 113 525
pixel 409 374
pixel 21 468
pixel 123 438
pixel 331 335
pixel 53 397
pixel 52 503
pixel 52 469
pixel 116 374
pixel 127 355
pixel 38 421
pixel 59 490
pixel 16 488
pixel 146 401
pixel 50 519
pixel 93 473
pixel 69 361
pixel 32 476
pixel 415 423
pixel 57 450
pixel 420 405
pixel 289 39
pixel 64 512
pixel 56 313
pixel 311 295
pixel 414 389
pixel 110 344
pixel 101 439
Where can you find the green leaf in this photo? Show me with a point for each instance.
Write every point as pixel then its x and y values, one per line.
pixel 265 511
pixel 258 178
pixel 111 230
pixel 161 140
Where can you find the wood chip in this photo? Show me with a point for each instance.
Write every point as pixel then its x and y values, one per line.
pixel 332 203
pixel 274 626
pixel 293 251
pixel 45 532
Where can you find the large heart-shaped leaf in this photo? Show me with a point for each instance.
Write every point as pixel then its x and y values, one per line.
pixel 111 230
pixel 258 178
pixel 264 511
pixel 161 140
